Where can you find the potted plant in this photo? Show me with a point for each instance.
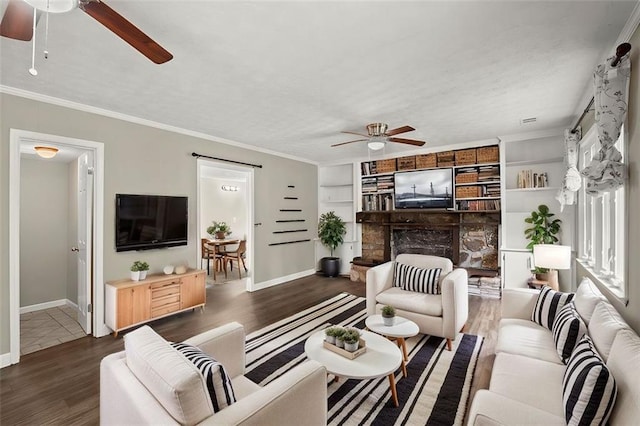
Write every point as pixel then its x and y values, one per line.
pixel 219 230
pixel 143 267
pixel 351 340
pixel 340 334
pixel 331 230
pixel 330 335
pixel 388 315
pixel 543 230
pixel 135 272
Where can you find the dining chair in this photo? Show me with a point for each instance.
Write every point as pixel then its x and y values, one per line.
pixel 237 256
pixel 209 254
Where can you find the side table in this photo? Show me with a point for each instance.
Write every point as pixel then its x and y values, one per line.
pixel 401 329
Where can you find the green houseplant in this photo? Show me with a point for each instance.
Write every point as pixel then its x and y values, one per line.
pixel 219 230
pixel 331 231
pixel 543 229
pixel 351 339
pixel 388 315
pixel 139 270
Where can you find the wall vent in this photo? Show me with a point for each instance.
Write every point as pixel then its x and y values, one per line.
pixel 528 120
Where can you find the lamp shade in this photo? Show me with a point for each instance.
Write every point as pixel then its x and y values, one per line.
pixel 46 151
pixel 552 256
pixel 376 145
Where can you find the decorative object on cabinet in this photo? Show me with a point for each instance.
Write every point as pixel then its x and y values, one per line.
pixel 129 303
pixel 551 257
pixel 219 230
pixel 139 270
pixel 168 270
pixel 543 228
pixel 180 269
pixel 331 231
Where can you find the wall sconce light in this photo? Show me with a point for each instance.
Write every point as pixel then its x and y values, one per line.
pixel 230 188
pixel 46 151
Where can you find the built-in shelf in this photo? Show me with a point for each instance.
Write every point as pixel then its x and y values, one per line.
pixel 466 166
pixel 547 188
pixel 492 182
pixel 532 162
pixel 477 198
pixel 327 185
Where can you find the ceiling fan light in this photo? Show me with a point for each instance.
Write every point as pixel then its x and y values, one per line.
pixel 376 145
pixel 53 6
pixel 46 151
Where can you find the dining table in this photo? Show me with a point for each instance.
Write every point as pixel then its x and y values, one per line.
pixel 216 245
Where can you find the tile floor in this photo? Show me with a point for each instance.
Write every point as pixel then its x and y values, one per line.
pixel 49 327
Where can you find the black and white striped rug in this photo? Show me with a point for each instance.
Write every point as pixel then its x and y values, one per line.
pixel 435 392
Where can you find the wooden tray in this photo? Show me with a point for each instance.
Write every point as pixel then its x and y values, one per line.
pixel 362 348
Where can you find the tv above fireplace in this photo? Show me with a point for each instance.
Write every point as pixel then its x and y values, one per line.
pixel 424 189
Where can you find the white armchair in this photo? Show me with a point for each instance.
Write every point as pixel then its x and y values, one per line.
pixel 160 392
pixel 441 315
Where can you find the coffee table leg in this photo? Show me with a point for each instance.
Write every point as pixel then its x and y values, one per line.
pixel 403 346
pixel 394 393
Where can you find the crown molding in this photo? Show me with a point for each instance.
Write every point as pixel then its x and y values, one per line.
pixel 630 27
pixel 142 121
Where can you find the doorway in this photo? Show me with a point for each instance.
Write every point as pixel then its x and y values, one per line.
pixel 225 194
pixel 55 241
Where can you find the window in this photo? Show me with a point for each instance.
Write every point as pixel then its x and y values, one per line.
pixel 602 224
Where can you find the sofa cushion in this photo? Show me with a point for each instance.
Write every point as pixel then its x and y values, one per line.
pixel 215 376
pixel 174 381
pixel 568 329
pixel 587 298
pixel 588 389
pixel 524 337
pixel 548 305
pixel 416 279
pixel 528 380
pixel 624 364
pixel 605 323
pixel 420 303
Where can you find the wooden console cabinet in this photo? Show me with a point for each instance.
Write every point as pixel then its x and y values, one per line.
pixel 130 303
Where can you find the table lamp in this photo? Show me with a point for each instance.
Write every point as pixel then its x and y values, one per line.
pixel 552 257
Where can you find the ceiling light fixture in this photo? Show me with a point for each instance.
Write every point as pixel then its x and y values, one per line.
pixel 53 6
pixel 376 143
pixel 230 188
pixel 46 151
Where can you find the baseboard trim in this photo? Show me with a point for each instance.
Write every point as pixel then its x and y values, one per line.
pixel 5 360
pixel 42 306
pixel 70 304
pixel 280 280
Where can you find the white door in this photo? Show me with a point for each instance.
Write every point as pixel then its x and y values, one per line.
pixel 83 252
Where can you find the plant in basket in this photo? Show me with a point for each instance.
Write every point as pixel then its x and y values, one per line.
pixel 340 336
pixel 351 339
pixel 330 334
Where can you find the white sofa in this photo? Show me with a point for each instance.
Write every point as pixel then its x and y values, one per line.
pixel 441 315
pixel 526 380
pixel 165 382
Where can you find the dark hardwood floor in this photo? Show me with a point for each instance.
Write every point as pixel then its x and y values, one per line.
pixel 60 385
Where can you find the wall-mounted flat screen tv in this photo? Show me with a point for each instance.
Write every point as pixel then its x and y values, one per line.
pixel 146 222
pixel 424 189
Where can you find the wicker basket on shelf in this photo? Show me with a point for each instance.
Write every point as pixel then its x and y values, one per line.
pixel 488 154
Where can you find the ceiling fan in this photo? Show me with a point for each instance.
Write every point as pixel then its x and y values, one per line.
pixel 18 22
pixel 377 136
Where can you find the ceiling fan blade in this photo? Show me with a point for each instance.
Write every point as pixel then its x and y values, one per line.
pixel 403 129
pixel 344 143
pixel 407 141
pixel 126 31
pixel 356 133
pixel 17 22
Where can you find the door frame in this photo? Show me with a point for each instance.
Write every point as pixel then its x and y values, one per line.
pixel 249 172
pixel 16 137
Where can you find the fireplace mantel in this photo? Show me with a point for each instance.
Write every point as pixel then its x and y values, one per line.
pixel 378 228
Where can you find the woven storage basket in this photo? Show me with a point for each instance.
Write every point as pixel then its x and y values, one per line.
pixel 465 156
pixel 446 163
pixel 407 163
pixel 467 191
pixel 426 161
pixel 488 154
pixel 386 166
pixel 467 177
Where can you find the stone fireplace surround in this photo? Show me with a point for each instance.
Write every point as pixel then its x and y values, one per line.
pixel 469 239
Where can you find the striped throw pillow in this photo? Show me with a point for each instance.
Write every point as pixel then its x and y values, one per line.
pixel 588 388
pixel 416 279
pixel 548 305
pixel 216 377
pixel 568 329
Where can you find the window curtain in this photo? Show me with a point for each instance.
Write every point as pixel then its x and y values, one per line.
pixel 572 180
pixel 606 172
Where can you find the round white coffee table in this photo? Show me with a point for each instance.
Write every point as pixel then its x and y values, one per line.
pixel 400 330
pixel 382 358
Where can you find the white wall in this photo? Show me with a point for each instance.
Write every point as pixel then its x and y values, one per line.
pixel 44 215
pixel 223 206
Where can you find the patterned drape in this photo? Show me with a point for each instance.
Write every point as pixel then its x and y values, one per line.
pixel 607 171
pixel 572 179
